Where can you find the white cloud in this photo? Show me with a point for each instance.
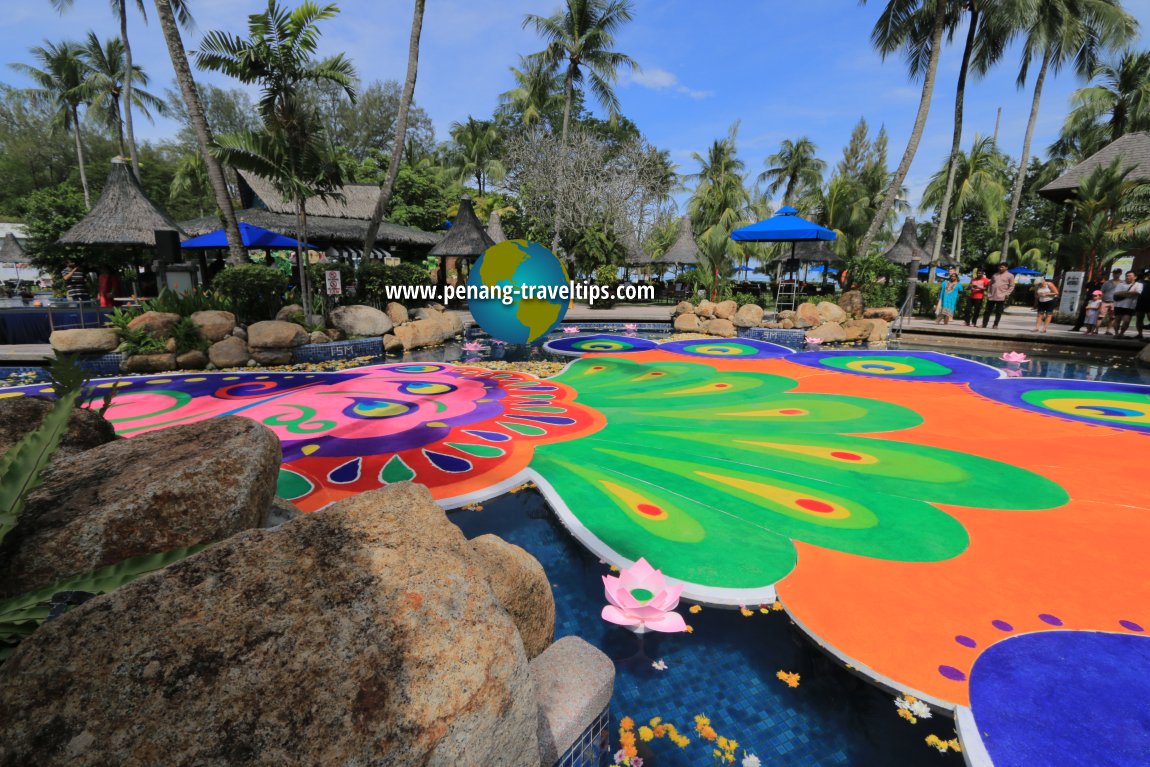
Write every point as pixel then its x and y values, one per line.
pixel 657 79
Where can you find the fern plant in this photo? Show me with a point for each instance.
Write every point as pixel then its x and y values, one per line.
pixel 142 341
pixel 119 318
pixel 188 337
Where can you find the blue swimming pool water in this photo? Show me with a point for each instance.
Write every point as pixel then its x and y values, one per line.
pixel 726 669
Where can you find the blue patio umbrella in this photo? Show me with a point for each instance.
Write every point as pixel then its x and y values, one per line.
pixel 1025 271
pixel 784 226
pixel 822 268
pixel 252 237
pixel 938 272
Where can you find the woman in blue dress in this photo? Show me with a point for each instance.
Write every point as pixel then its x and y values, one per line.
pixel 947 299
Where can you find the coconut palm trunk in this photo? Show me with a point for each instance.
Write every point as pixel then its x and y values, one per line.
pixel 1020 177
pixel 916 134
pixel 80 157
pixel 128 91
pixel 236 250
pixel 301 260
pixel 955 144
pixel 400 131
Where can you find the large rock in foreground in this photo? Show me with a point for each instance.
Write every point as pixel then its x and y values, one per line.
pixel 231 352
pixel 276 334
pixel 359 635
pixel 214 325
pixel 164 490
pixel 84 340
pixel 20 415
pixel 521 586
pixel 159 324
pixel 361 320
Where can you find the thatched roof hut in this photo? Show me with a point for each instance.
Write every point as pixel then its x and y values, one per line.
pixel 906 248
pixel 1132 152
pixel 495 228
pixel 467 237
pixel 325 230
pixel 11 252
pixel 123 216
pixel 684 251
pixel 636 256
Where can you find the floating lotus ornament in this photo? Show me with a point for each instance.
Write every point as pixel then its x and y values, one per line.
pixel 570 329
pixel 473 346
pixel 630 327
pixel 813 341
pixel 1014 362
pixel 642 600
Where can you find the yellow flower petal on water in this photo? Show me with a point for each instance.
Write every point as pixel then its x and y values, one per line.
pixel 696 609
pixel 746 613
pixel 689 629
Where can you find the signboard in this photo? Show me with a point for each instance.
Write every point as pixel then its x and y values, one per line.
pixel 390 261
pixel 334 284
pixel 1071 292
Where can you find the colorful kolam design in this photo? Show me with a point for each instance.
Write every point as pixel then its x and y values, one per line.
pixel 920 516
pixel 900 365
pixel 727 348
pixel 600 343
pixel 1125 406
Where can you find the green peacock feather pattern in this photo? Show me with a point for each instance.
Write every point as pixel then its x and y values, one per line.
pixel 712 474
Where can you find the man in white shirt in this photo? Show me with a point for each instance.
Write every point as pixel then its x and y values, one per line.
pixel 1106 315
pixel 1125 302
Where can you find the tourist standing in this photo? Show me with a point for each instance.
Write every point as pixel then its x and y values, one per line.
pixel 1045 299
pixel 1001 286
pixel 1125 302
pixel 978 285
pixel 1143 307
pixel 1090 318
pixel 76 282
pixel 948 299
pixel 1106 316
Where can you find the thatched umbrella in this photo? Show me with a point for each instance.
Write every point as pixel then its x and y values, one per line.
pixel 122 217
pixel 684 251
pixel 906 250
pixel 11 252
pixel 495 228
pixel 466 239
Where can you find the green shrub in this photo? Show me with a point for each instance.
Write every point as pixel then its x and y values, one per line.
pixel 188 337
pixel 254 292
pixel 375 277
pixel 186 304
pixel 119 318
pixel 141 341
pixel 926 297
pixel 877 294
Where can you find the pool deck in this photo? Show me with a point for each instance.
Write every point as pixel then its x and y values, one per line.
pixel 1015 332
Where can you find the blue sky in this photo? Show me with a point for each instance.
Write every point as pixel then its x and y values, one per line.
pixel 784 69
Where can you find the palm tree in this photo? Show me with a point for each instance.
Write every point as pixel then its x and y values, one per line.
pixel 1103 200
pixel 106 82
pixel 120 8
pixel 579 38
pixel 538 92
pixel 291 150
pixel 719 204
pixel 989 33
pixel 1056 33
pixel 922 51
pixel 60 83
pixel 977 180
pixel 168 11
pixel 1120 100
pixel 475 151
pixel 191 178
pixel 398 143
pixel 794 168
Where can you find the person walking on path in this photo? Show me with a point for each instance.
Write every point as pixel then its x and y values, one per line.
pixel 979 282
pixel 1143 308
pixel 948 299
pixel 1001 286
pixel 1106 316
pixel 1126 301
pixel 1045 300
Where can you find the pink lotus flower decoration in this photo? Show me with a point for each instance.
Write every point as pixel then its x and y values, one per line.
pixel 813 341
pixel 642 600
pixel 630 327
pixel 570 329
pixel 473 346
pixel 1015 357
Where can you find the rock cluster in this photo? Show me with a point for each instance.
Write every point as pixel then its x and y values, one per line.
pixel 722 319
pixel 838 322
pixel 371 632
pixel 269 342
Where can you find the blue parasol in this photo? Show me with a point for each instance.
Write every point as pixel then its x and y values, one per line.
pixel 1025 271
pixel 252 237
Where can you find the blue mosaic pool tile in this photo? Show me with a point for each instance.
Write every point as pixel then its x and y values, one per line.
pixel 338 350
pixel 794 339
